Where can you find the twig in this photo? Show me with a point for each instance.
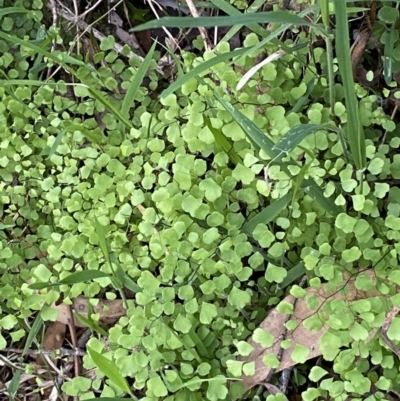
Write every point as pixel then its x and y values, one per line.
pixel 90 9
pixel 54 367
pixel 84 338
pixel 67 15
pixel 74 340
pixel 165 29
pixel 62 351
pixel 54 12
pixel 202 30
pixel 389 318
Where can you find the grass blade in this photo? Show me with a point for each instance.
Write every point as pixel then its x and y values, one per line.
pixel 293 274
pixel 294 136
pixel 81 277
pixel 313 190
pixel 230 10
pixel 304 99
pixel 203 67
pixel 280 17
pixel 252 131
pixel 74 278
pixel 299 179
pixel 64 60
pixel 136 81
pixel 268 214
pixel 89 323
pixel 101 234
pixel 50 152
pixel 37 325
pixel 33 331
pixel 14 385
pixel 224 142
pixel 388 55
pixel 354 129
pixel 123 276
pixel 94 136
pixel 39 50
pixel 267 145
pixel 15 10
pixel 109 369
pixel 197 71
pixel 98 96
pixel 246 77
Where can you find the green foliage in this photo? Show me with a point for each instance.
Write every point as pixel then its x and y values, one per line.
pixel 206 206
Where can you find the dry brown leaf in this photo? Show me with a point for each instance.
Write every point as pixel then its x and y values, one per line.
pixel 53 339
pixel 107 309
pixel 274 324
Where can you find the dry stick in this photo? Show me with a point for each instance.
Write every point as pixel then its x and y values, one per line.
pixel 389 318
pixel 61 351
pixel 53 6
pixel 66 14
pixel 202 30
pixel 90 9
pixel 74 340
pixel 165 29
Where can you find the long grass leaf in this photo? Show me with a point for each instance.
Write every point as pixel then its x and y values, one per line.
pixel 197 71
pixel 299 180
pixel 294 136
pixel 117 113
pixel 136 81
pixel 280 17
pixel 74 278
pixel 230 10
pixel 14 385
pixel 292 275
pixel 315 192
pixel 304 99
pixel 110 370
pixel 252 131
pixel 267 145
pixel 388 54
pixel 354 129
pixel 94 136
pixel 64 60
pixel 268 214
pixel 39 50
pixel 90 324
pixel 83 276
pixel 123 277
pixel 16 10
pixel 50 152
pixel 224 142
pixel 102 234
pixel 36 326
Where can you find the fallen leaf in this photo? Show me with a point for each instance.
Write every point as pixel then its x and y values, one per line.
pixel 53 339
pixel 107 309
pixel 274 324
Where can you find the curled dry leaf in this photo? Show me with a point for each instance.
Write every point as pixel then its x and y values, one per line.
pixel 274 324
pixel 53 339
pixel 107 309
